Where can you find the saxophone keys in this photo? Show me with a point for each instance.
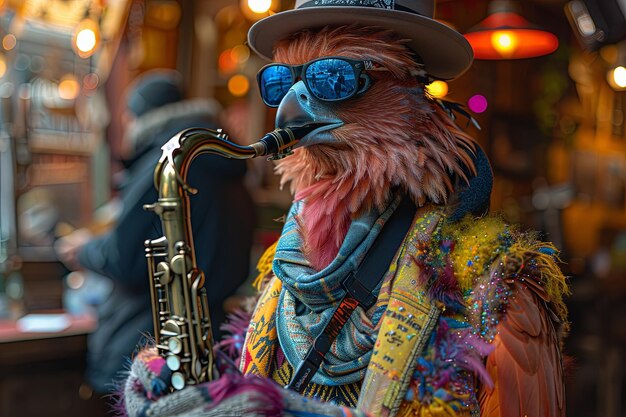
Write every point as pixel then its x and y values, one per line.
pixel 180 264
pixel 175 345
pixel 173 362
pixel 171 328
pixel 163 273
pixel 178 381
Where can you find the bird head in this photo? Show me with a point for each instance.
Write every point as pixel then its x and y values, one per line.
pixel 387 134
pixel 390 135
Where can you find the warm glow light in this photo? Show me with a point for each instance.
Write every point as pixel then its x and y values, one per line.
pixel 504 34
pixel 505 42
pixel 617 78
pixel 9 41
pixel 86 38
pixel 477 103
pixel 238 85
pixel 68 88
pixel 437 89
pixel 259 6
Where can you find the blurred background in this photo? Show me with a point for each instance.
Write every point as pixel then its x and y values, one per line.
pixel 547 88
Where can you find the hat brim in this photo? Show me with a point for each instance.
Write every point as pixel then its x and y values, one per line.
pixel 445 52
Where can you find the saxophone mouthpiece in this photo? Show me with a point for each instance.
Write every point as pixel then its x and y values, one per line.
pixel 280 142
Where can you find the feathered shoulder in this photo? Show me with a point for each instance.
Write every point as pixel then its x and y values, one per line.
pixel 513 290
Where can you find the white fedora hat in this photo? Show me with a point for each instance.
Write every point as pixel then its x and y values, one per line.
pixel 445 53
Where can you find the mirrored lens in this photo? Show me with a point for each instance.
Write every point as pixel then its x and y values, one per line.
pixel 331 79
pixel 275 81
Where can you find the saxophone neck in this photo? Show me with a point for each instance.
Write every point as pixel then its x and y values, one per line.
pixel 186 145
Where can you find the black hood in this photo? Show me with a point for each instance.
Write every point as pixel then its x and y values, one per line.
pixel 151 131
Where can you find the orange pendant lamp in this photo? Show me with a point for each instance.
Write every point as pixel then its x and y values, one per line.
pixel 505 34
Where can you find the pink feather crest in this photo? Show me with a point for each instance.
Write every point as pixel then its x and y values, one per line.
pixel 407 142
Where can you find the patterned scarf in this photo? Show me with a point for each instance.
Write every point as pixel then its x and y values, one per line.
pixel 309 297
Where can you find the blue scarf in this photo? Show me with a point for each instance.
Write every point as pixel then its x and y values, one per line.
pixel 309 298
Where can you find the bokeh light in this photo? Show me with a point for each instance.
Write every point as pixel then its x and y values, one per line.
pixel 9 41
pixel 238 85
pixel 86 38
pixel 91 80
pixel 90 83
pixel 240 54
pixel 226 62
pixel 477 103
pixel 75 280
pixel 617 78
pixel 22 62
pixel 68 88
pixel 437 89
pixel 260 6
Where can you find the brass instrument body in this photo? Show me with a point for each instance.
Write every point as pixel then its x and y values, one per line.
pixel 182 324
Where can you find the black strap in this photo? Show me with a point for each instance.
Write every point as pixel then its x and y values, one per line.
pixel 360 286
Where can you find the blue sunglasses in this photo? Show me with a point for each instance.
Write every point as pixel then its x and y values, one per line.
pixel 329 79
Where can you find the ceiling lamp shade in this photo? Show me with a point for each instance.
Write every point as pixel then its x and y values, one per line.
pixel 505 34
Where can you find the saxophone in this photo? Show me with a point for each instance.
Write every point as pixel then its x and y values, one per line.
pixel 180 310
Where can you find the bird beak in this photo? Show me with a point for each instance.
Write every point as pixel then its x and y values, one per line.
pixel 299 108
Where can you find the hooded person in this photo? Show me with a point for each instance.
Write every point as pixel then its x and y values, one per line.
pixel 467 315
pixel 223 221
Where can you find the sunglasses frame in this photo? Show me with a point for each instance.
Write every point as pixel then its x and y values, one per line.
pixel 298 71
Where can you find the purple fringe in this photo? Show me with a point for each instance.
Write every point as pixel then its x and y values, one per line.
pixel 466 350
pixel 441 282
pixel 118 403
pixel 235 327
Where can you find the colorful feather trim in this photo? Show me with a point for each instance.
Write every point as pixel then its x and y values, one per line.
pixel 235 328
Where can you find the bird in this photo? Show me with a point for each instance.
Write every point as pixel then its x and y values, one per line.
pixel 468 320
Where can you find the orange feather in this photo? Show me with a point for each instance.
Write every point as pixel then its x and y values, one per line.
pixel 526 364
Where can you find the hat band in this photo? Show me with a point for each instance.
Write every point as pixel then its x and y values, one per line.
pixel 379 4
